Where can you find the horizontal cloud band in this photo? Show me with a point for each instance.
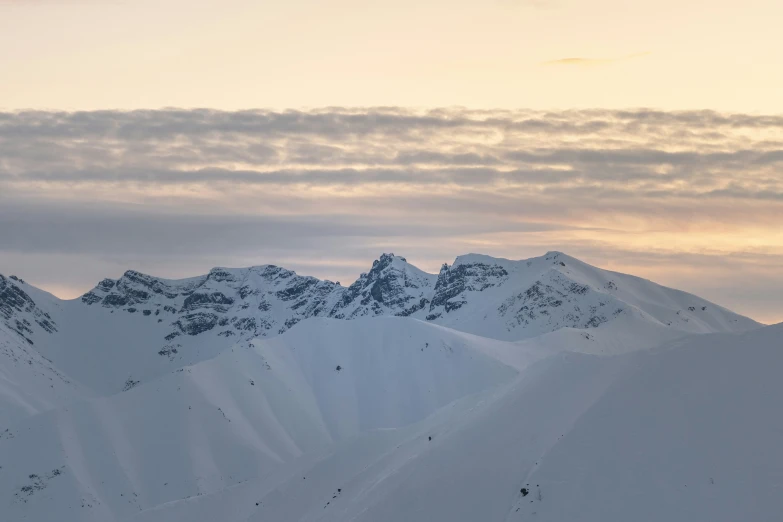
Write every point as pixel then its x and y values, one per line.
pixel 202 187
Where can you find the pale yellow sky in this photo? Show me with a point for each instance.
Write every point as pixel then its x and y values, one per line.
pixel 231 54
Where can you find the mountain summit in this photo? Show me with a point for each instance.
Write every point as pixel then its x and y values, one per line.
pixel 143 326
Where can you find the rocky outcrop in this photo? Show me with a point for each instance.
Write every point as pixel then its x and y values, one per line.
pixel 391 287
pixel 19 313
pixel 454 281
pixel 557 301
pixel 478 294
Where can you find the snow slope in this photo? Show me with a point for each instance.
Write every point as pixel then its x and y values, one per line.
pixel 692 432
pixel 258 394
pixel 29 382
pixel 687 432
pixel 243 415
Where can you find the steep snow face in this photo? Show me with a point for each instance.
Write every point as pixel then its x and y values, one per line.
pixel 254 413
pixel 29 382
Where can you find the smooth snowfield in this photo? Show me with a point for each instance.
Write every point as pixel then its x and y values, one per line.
pixel 249 395
pixel 246 414
pixel 692 432
pixel 688 432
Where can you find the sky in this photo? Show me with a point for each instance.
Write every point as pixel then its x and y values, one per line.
pixel 543 54
pixel 171 137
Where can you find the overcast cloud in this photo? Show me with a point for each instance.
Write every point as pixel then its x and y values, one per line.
pixel 689 199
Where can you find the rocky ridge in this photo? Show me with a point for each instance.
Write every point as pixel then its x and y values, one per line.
pixel 188 320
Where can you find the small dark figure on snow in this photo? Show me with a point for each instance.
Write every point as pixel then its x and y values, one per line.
pixel 524 491
pixel 338 368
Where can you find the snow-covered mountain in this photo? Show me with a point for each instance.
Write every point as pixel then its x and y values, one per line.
pixel 258 394
pixel 497 297
pixel 139 327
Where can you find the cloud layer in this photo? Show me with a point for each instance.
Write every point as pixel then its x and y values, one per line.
pixel 590 62
pixel 691 199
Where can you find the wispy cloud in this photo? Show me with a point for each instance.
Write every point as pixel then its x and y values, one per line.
pixel 592 62
pixel 177 191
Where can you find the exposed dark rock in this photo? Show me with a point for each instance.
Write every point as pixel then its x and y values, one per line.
pixel 296 289
pixel 107 284
pixel 474 277
pixel 196 323
pixel 289 323
pixel 15 301
pixel 453 305
pixel 214 300
pixel 220 274
pixel 129 384
pixel 422 304
pixel 115 300
pixel 541 301
pixel 387 286
pixel 247 324
pixel 91 298
pixel 168 351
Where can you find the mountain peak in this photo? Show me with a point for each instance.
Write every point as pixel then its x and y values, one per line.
pixel 481 294
pixel 388 258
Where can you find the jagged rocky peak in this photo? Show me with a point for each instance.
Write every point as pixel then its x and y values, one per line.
pixel 135 288
pixel 470 273
pixel 384 266
pixel 477 293
pixel 391 287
